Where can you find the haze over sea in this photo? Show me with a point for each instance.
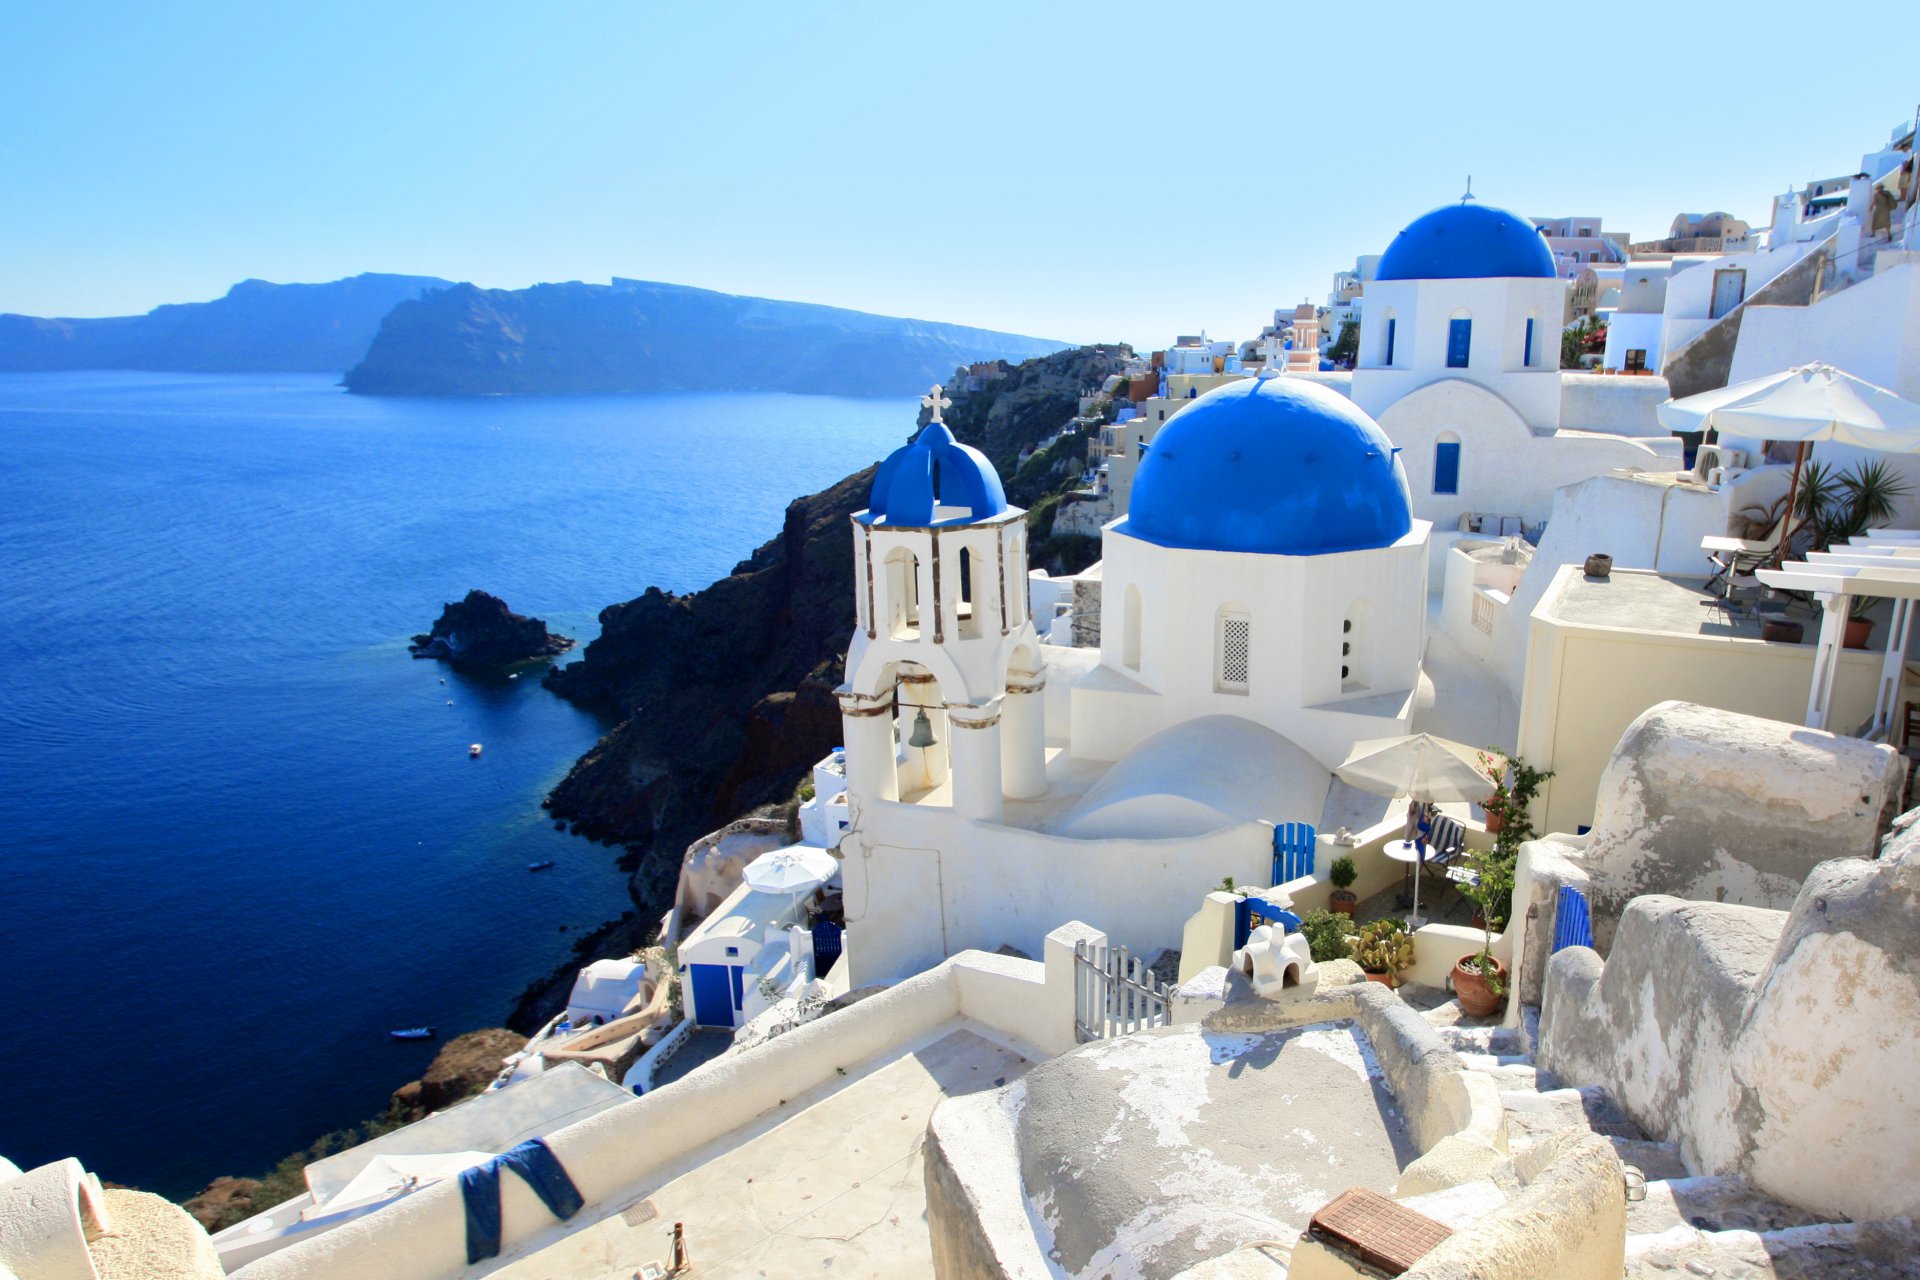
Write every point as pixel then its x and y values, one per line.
pixel 240 833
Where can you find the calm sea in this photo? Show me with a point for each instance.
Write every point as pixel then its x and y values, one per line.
pixel 240 836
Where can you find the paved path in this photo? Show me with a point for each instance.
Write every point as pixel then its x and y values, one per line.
pixel 834 1190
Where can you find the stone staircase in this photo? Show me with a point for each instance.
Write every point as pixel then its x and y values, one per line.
pixel 1686 1225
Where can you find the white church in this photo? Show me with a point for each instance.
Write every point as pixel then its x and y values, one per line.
pixel 1264 608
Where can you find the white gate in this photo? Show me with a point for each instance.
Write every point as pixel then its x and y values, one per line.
pixel 1115 994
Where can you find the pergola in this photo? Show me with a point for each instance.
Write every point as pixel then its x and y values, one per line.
pixel 1886 563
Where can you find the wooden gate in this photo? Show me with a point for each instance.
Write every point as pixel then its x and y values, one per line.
pixel 1115 994
pixel 1250 913
pixel 1293 848
pixel 1572 921
pixel 827 945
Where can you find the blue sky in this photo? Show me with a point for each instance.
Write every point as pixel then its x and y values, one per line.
pixel 1082 172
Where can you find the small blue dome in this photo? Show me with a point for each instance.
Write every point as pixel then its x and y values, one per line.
pixel 934 471
pixel 1272 464
pixel 1467 241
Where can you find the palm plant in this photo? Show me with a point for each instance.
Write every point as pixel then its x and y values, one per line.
pixel 1840 506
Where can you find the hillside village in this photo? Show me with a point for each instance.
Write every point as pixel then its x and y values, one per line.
pixel 1460 825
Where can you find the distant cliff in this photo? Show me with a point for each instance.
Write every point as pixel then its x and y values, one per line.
pixel 724 697
pixel 257 328
pixel 636 336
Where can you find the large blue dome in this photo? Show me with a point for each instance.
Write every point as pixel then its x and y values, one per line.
pixel 934 471
pixel 1271 464
pixel 1467 241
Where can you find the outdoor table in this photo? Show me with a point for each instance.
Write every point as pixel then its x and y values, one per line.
pixel 1415 855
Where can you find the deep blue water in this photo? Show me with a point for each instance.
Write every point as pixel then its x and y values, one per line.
pixel 240 836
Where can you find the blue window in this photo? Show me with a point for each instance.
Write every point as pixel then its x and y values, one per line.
pixel 1446 466
pixel 1390 323
pixel 1459 342
pixel 1526 352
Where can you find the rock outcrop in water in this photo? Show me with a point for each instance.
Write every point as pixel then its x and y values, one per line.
pixel 639 336
pixel 480 631
pixel 724 698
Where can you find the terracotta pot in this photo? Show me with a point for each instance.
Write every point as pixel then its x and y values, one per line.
pixel 1858 630
pixel 1342 901
pixel 1496 822
pixel 1599 566
pixel 1388 980
pixel 1782 632
pixel 1476 997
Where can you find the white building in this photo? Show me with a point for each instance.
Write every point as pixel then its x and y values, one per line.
pixel 1263 608
pixel 1460 364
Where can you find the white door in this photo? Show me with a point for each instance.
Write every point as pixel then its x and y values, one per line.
pixel 1729 287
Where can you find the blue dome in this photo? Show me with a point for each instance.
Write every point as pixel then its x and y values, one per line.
pixel 934 471
pixel 1273 465
pixel 1467 241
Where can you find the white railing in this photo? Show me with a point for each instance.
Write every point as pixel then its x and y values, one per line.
pixel 639 1078
pixel 1115 994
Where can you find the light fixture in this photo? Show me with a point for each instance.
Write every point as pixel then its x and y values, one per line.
pixel 922 735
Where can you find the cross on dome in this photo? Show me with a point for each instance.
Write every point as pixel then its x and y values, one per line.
pixel 936 402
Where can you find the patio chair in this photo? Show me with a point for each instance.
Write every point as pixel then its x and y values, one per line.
pixel 1736 557
pixel 1448 847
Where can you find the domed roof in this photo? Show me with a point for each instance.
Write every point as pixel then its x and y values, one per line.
pixel 1271 464
pixel 934 471
pixel 1467 241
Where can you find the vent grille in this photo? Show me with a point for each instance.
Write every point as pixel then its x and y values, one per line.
pixel 1236 636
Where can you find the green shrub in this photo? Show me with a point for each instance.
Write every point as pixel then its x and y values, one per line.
pixel 1343 873
pixel 1326 934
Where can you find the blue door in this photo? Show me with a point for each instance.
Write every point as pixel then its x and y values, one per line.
pixel 712 994
pixel 1390 324
pixel 1526 354
pixel 1459 343
pixel 1446 467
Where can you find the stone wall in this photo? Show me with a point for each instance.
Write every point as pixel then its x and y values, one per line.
pixel 1776 1046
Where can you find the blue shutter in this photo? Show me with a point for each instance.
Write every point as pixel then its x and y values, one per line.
pixel 1446 467
pixel 1390 324
pixel 1459 343
pixel 1526 355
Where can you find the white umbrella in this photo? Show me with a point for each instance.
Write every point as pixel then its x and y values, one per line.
pixel 1807 403
pixel 794 869
pixel 1420 767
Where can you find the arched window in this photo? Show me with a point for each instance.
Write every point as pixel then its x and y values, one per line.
pixel 1233 649
pixel 1130 628
pixel 972 602
pixel 903 594
pixel 1459 339
pixel 1446 463
pixel 1355 650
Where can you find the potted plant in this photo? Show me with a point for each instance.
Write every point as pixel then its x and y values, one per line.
pixel 1383 948
pixel 1479 980
pixel 1494 765
pixel 1328 935
pixel 1343 873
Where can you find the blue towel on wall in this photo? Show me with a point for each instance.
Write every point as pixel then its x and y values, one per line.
pixel 538 1167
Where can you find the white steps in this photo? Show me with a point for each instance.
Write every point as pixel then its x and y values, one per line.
pixel 1687 1225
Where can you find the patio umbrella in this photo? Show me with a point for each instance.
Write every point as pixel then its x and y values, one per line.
pixel 794 869
pixel 1807 403
pixel 1421 767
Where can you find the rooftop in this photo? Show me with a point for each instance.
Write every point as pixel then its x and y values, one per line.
pixel 831 1183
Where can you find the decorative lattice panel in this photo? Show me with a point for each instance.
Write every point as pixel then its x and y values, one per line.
pixel 1236 642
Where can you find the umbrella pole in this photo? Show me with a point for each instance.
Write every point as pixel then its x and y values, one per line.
pixel 1786 528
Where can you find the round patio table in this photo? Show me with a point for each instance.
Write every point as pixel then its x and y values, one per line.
pixel 1416 854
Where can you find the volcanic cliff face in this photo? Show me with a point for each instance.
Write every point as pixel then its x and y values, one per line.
pixel 256 327
pixel 725 696
pixel 640 336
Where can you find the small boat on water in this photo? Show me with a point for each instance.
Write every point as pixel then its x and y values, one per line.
pixel 412 1033
pixel 474 750
pixel 542 866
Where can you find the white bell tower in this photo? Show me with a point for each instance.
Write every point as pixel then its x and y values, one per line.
pixel 943 688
